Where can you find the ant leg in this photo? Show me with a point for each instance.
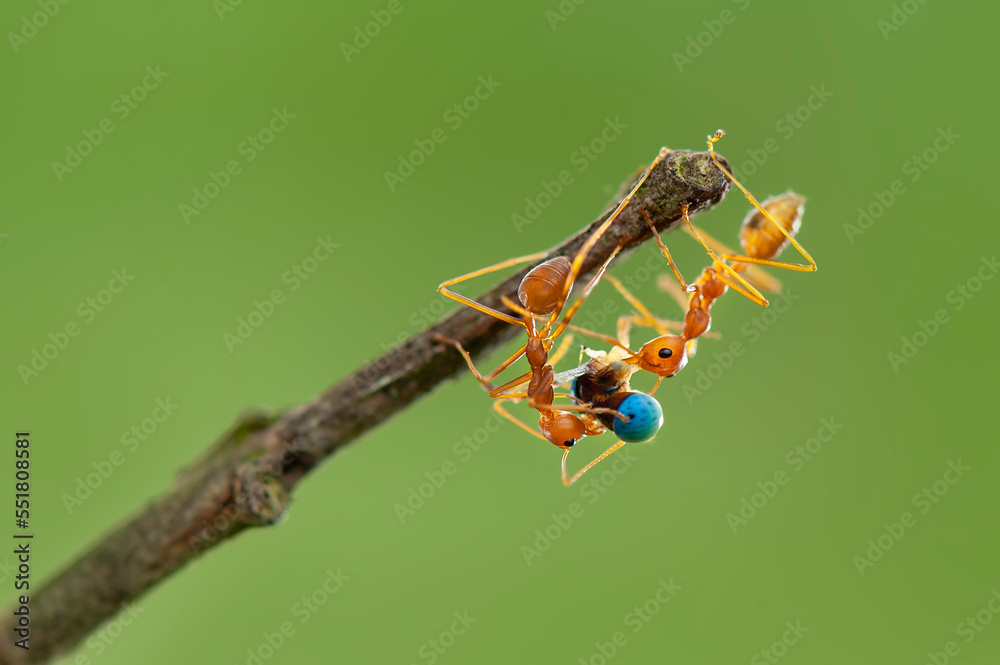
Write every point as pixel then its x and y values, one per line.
pixel 503 391
pixel 561 350
pixel 755 275
pixel 624 331
pixel 587 246
pixel 778 264
pixel 643 311
pixel 567 481
pixel 564 323
pixel 514 396
pixel 607 339
pixel 583 296
pixel 740 285
pixel 736 286
pixel 575 328
pixel 580 408
pixel 485 380
pixel 680 296
pixel 498 407
pixel 768 262
pixel 668 326
pixel 444 290
pixel 666 253
pixel 678 291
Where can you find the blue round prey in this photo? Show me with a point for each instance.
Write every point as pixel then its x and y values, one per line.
pixel 645 417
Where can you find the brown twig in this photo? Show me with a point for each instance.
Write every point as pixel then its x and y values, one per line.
pixel 244 480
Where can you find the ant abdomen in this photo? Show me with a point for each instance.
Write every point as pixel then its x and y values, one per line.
pixel 541 289
pixel 761 239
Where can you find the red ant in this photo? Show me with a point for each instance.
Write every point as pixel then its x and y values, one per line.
pixel 544 291
pixel 668 353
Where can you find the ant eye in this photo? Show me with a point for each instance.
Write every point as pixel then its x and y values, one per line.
pixel 666 353
pixel 569 443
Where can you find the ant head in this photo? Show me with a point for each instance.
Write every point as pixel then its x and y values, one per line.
pixel 564 429
pixel 663 356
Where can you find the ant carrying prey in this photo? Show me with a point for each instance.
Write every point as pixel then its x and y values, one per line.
pixel 543 292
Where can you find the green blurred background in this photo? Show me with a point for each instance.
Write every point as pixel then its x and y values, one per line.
pixel 665 521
